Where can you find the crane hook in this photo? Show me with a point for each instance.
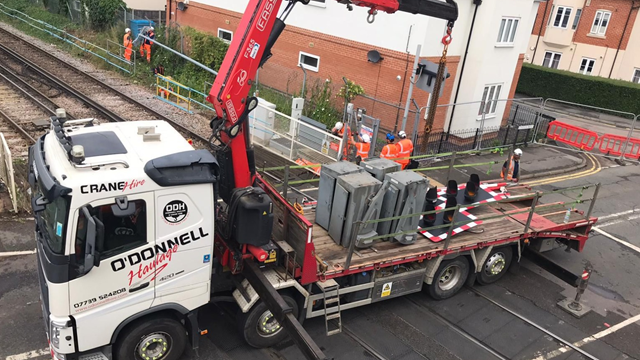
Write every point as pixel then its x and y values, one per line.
pixel 372 15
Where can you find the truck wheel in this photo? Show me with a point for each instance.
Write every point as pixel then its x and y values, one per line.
pixel 449 278
pixel 496 265
pixel 159 338
pixel 259 326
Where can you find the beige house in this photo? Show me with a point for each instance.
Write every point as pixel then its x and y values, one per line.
pixel 591 37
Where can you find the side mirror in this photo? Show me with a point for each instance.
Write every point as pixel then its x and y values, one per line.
pixel 123 207
pixel 95 234
pixel 38 204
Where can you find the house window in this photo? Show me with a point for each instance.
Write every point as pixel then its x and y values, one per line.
pixel 310 62
pixel 576 20
pixel 507 33
pixel 551 59
pixel 636 76
pixel 586 66
pixel 225 35
pixel 489 99
pixel 561 19
pixel 600 22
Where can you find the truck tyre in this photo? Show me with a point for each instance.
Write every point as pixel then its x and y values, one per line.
pixel 496 265
pixel 259 326
pixel 449 278
pixel 158 338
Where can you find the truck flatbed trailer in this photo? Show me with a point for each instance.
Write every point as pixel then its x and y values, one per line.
pixel 318 257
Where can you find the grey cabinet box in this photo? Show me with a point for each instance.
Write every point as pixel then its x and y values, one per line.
pixel 405 196
pixel 380 167
pixel 328 175
pixel 350 205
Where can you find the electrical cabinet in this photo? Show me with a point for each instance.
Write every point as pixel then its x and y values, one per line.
pixel 405 196
pixel 350 203
pixel 328 175
pixel 380 167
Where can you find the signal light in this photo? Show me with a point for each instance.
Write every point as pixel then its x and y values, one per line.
pixel 475 178
pixel 190 141
pixel 448 215
pixel 452 189
pixel 432 195
pixel 470 191
pixel 428 219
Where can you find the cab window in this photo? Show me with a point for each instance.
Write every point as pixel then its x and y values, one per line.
pixel 121 234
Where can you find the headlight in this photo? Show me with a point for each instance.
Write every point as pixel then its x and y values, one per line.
pixel 54 333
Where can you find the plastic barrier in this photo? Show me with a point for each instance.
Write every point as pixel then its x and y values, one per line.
pixel 581 138
pixel 614 144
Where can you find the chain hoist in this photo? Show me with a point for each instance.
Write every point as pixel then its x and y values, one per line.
pixel 433 104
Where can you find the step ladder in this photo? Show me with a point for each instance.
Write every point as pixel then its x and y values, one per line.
pixel 329 299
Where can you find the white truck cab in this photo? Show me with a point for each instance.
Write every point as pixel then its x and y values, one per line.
pixel 124 227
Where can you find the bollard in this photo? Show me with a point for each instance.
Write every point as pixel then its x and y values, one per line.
pixel 573 306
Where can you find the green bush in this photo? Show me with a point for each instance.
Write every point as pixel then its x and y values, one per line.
pixel 582 89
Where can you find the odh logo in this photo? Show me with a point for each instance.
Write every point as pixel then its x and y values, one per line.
pixel 175 211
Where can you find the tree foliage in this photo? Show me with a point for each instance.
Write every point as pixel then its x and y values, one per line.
pixel 103 13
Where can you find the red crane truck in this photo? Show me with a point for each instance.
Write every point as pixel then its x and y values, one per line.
pixel 136 230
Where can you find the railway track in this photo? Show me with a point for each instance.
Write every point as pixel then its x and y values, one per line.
pixel 479 343
pixel 23 116
pixel 85 95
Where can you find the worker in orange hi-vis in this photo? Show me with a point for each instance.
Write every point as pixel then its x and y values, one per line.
pixel 127 42
pixel 362 148
pixel 390 151
pixel 146 44
pixel 405 148
pixel 339 130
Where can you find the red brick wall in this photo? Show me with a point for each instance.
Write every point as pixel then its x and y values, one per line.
pixel 542 19
pixel 619 13
pixel 338 57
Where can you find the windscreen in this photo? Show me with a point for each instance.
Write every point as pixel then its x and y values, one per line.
pixel 54 223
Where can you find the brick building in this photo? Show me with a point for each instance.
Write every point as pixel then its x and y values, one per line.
pixel 591 37
pixel 332 43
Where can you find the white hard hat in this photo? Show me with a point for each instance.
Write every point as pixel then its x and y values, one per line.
pixel 127 30
pixel 151 28
pixel 339 125
pixel 517 152
pixel 402 134
pixel 366 138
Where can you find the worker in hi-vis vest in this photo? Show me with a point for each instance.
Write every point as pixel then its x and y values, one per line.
pixel 405 148
pixel 389 151
pixel 127 42
pixel 362 147
pixel 512 167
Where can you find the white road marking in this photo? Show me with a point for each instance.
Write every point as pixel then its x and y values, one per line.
pixel 589 339
pixel 17 253
pixel 611 216
pixel 614 222
pixel 625 243
pixel 29 354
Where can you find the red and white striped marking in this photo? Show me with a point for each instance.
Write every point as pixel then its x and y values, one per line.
pixel 585 275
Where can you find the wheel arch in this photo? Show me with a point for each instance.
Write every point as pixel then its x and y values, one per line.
pixel 175 311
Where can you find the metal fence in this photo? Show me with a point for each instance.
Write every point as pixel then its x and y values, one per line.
pixel 302 141
pixel 7 175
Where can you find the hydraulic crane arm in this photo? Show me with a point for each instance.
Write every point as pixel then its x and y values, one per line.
pixel 257 32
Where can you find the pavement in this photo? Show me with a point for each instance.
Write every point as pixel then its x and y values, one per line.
pixel 537 161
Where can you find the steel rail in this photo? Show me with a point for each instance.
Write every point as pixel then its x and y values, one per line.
pixel 99 108
pixel 459 330
pixel 526 320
